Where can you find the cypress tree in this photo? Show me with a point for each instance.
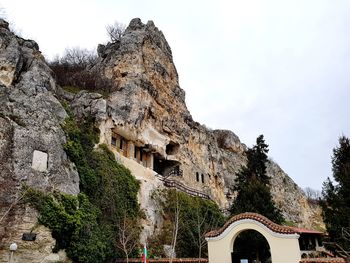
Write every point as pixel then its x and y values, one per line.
pixel 253 185
pixel 336 196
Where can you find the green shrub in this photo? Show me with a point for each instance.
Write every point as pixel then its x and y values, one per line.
pixel 117 192
pixel 87 225
pixel 73 221
pixel 79 148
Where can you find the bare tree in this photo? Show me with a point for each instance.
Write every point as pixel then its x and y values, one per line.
pixel 200 230
pixel 75 69
pixel 127 239
pixel 312 194
pixel 78 57
pixel 204 224
pixel 175 229
pixel 115 31
pixel 14 203
pixel 19 196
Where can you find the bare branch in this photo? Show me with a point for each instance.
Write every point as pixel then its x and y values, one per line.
pixel 115 31
pixel 78 57
pixel 127 238
pixel 14 203
pixel 175 229
pixel 312 194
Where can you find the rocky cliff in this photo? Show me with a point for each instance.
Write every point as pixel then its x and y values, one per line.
pixel 147 109
pixel 144 121
pixel 31 145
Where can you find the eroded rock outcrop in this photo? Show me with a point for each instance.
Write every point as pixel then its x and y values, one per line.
pixel 145 122
pixel 31 145
pixel 148 122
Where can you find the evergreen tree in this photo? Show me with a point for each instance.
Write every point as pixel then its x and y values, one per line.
pixel 253 185
pixel 336 196
pixel 253 195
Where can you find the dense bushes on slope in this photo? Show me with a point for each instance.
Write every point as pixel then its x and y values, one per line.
pixel 74 70
pixel 74 224
pixel 88 225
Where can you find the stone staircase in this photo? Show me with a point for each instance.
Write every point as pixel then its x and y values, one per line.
pixel 175 172
pixel 170 183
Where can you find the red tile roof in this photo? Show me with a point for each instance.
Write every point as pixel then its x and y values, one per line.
pixel 306 231
pixel 322 260
pixel 263 220
pixel 164 260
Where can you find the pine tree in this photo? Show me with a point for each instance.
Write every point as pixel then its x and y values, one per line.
pixel 336 196
pixel 253 185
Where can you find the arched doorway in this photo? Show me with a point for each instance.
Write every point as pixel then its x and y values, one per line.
pixel 282 240
pixel 252 246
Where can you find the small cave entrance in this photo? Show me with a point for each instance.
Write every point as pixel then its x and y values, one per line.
pixel 166 167
pixel 172 148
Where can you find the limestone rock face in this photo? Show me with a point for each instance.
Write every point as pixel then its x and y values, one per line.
pixel 31 138
pixel 87 104
pixel 146 80
pixel 292 201
pixel 147 111
pixel 144 121
pixel 38 251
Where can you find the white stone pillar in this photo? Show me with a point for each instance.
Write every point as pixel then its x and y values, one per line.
pixel 130 150
pixel 150 161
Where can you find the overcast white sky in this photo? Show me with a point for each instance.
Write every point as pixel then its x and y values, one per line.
pixel 273 67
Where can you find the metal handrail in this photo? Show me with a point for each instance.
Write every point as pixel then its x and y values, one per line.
pixel 175 172
pixel 180 186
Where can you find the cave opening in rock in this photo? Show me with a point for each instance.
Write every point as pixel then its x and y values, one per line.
pixel 166 167
pixel 172 148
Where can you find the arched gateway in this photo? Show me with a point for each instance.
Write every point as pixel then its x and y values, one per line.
pixel 283 240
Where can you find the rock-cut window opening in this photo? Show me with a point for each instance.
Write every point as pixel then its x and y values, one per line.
pixel 118 141
pixel 147 156
pixel 138 153
pixel 197 176
pixel 114 141
pixel 202 175
pixel 172 148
